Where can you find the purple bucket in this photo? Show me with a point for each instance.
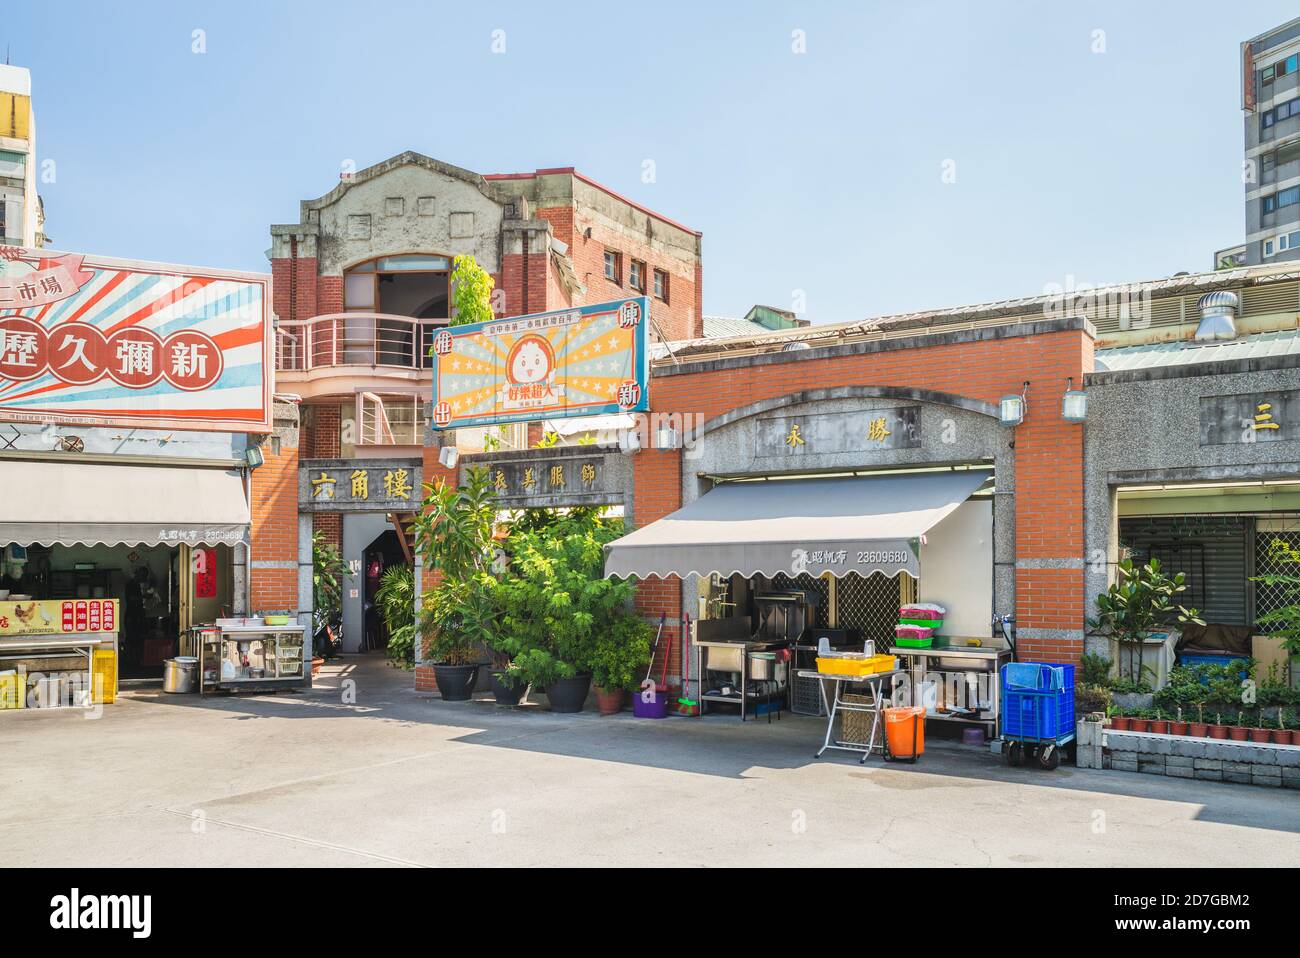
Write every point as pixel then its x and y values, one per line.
pixel 658 708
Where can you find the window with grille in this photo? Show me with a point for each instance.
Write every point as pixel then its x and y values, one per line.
pixel 1272 549
pixel 869 605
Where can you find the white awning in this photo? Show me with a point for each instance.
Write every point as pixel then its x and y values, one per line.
pixel 841 525
pixel 58 503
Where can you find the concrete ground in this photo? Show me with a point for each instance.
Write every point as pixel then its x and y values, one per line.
pixel 401 778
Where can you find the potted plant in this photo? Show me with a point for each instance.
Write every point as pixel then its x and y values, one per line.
pixel 453 535
pixel 328 570
pixel 1218 729
pixel 1239 732
pixel 1262 732
pixel 1176 725
pixel 1119 721
pixel 619 656
pixel 1139 603
pixel 1158 724
pixel 1200 728
pixel 559 608
pixel 1140 722
pixel 395 601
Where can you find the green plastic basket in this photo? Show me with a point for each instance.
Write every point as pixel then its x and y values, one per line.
pixel 914 643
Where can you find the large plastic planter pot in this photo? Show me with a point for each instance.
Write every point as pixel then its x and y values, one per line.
pixel 455 682
pixel 504 693
pixel 568 695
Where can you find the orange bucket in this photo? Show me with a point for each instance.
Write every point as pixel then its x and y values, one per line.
pixel 899 726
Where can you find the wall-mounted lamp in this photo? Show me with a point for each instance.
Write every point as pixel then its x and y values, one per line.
pixel 629 440
pixel 253 457
pixel 1074 404
pixel 665 437
pixel 1011 409
pixel 449 456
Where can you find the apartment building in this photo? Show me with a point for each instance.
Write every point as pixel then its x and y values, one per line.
pixel 1271 104
pixel 21 216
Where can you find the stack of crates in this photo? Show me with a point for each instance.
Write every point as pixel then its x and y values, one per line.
pixel 1044 712
pixel 103 677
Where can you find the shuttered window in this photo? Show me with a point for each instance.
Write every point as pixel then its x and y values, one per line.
pixel 1210 550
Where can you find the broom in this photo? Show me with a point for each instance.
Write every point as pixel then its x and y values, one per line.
pixel 687 705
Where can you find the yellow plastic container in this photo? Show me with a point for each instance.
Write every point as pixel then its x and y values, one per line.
pixel 103 677
pixel 867 665
pixel 13 689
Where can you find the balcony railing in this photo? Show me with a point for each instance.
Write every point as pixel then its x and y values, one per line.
pixel 355 339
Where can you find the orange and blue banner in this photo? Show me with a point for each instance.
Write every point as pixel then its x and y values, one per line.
pixel 585 361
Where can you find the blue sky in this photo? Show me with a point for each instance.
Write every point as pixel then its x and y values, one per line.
pixel 818 171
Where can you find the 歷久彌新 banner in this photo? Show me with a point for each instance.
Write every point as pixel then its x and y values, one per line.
pixel 97 341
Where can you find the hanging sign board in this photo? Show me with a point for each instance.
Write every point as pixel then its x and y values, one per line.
pixel 58 617
pixel 101 342
pixel 586 361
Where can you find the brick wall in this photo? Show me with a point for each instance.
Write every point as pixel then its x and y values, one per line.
pixel 273 576
pixel 1049 451
pixel 679 318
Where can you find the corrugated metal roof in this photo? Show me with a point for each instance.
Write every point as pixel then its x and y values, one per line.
pixel 1284 343
pixel 716 327
pixel 752 336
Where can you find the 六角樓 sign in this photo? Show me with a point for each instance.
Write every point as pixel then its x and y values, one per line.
pixel 104 342
pixel 585 361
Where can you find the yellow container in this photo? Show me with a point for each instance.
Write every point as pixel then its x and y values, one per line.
pixel 13 690
pixel 103 677
pixel 862 665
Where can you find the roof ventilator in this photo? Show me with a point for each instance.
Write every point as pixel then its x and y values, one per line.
pixel 1218 316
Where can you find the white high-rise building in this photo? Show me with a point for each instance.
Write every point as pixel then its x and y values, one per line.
pixel 20 206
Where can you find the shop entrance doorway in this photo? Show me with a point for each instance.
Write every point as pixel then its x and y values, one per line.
pixel 383 552
pixel 162 591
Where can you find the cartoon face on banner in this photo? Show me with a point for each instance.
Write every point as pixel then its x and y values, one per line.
pixel 531 360
pixel 585 361
pixel 113 342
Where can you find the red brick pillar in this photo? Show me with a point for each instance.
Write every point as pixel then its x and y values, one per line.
pixel 273 565
pixel 657 491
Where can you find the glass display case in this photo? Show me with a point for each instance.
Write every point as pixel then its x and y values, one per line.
pixel 252 658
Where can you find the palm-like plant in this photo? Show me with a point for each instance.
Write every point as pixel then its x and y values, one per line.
pixel 1139 602
pixel 328 570
pixel 453 535
pixel 395 600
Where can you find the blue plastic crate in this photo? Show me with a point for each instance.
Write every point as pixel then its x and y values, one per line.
pixel 1045 712
pixel 1038 716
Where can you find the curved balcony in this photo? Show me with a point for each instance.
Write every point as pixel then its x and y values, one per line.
pixel 344 353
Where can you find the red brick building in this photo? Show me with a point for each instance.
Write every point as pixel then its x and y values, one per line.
pixel 361 282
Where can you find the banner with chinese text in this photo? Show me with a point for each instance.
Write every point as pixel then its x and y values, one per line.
pixel 114 342
pixel 585 361
pixel 58 617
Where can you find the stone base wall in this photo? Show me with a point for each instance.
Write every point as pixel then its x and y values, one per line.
pixel 1213 760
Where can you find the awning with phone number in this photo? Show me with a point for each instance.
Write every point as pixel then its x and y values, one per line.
pixel 839 525
pixel 72 503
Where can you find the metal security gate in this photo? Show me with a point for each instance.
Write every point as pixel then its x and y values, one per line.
pixel 1211 551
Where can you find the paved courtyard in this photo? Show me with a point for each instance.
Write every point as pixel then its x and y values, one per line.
pixel 401 778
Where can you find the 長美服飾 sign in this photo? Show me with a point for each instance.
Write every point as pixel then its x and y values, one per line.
pixel 116 342
pixel 585 361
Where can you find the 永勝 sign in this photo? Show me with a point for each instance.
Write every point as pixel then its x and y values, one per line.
pixel 584 361
pixel 115 342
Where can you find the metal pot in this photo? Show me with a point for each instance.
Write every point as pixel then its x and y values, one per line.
pixel 179 674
